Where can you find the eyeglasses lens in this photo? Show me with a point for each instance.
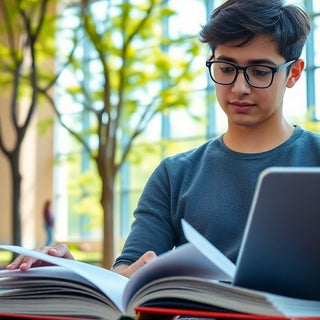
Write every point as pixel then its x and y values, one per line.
pixel 256 75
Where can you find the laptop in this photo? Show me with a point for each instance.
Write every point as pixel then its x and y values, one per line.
pixel 280 250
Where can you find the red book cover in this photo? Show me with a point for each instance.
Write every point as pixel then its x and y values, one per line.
pixel 9 316
pixel 145 313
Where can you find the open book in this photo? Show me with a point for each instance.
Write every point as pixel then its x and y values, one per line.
pixel 186 277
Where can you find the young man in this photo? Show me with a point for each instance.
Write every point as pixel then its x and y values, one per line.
pixel 256 46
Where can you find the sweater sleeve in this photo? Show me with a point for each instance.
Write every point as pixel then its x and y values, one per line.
pixel 152 228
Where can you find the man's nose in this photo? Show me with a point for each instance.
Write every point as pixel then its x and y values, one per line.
pixel 241 85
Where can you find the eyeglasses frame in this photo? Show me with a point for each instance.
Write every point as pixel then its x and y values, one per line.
pixel 274 70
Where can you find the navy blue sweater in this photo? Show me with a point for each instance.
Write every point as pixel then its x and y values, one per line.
pixel 212 188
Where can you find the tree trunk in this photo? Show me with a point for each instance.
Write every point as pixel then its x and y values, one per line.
pixel 16 196
pixel 107 202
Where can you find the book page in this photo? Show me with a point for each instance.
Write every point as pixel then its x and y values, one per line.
pixel 50 272
pixel 209 250
pixel 110 283
pixel 185 260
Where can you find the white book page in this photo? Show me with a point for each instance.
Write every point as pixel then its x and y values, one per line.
pixel 218 259
pixel 52 272
pixel 110 283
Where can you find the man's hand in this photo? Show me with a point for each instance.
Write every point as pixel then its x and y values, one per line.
pixel 127 271
pixel 24 262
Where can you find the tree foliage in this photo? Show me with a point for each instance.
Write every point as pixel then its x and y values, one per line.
pixel 135 71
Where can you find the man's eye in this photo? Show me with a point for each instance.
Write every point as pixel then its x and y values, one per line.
pixel 259 72
pixel 227 69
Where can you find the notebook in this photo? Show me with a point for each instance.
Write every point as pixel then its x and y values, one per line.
pixel 280 250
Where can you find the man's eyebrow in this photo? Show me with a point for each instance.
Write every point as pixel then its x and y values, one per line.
pixel 262 61
pixel 250 62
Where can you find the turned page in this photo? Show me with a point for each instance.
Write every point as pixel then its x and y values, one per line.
pixel 110 283
pixel 198 258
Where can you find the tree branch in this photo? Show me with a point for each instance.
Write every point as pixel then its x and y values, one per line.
pixel 95 39
pixel 64 66
pixel 122 71
pixel 14 99
pixel 58 114
pixel 141 125
pixel 9 31
pixel 140 24
pixel 3 147
pixel 43 10
pixel 34 78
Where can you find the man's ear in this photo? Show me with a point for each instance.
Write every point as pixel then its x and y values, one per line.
pixel 295 72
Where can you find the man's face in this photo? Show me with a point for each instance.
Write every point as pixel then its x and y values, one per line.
pixel 243 104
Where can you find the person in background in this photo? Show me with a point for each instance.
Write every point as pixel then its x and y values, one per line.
pixel 255 57
pixel 48 223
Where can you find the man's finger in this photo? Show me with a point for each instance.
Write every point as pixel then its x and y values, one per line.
pixel 60 250
pixel 24 263
pixel 148 256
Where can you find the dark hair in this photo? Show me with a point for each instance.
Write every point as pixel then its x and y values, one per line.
pixel 242 20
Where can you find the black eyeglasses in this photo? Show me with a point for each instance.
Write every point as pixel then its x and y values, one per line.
pixel 256 75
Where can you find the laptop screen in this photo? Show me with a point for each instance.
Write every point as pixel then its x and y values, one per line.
pixel 280 251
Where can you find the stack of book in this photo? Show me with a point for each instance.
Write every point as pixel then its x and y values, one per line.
pixel 171 285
